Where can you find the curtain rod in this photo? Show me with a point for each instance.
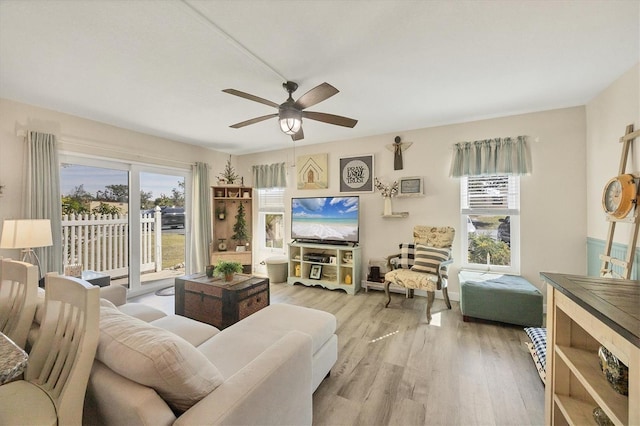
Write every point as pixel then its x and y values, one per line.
pixel 136 155
pixel 70 140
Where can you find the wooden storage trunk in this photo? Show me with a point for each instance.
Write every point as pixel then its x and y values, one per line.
pixel 215 302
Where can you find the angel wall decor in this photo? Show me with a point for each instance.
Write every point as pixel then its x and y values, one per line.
pixel 397 147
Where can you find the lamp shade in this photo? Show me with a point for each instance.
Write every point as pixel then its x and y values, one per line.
pixel 290 126
pixel 26 233
pixel 290 118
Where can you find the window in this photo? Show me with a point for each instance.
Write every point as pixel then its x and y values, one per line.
pixel 490 213
pixel 269 238
pixel 271 219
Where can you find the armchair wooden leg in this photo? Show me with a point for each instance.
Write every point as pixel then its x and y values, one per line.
pixel 445 293
pixel 386 292
pixel 430 296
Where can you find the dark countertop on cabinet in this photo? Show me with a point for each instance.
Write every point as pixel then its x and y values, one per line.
pixel 615 302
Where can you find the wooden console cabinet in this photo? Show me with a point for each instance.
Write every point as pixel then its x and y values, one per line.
pixel 584 313
pixel 340 268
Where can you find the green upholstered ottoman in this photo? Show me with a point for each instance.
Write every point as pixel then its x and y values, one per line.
pixel 503 298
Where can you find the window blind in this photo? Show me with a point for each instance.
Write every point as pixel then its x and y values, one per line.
pixel 494 194
pixel 271 200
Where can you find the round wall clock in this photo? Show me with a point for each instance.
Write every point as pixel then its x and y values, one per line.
pixel 619 196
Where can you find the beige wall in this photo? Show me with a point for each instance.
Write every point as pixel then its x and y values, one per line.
pixel 608 114
pixel 79 135
pixel 574 150
pixel 553 225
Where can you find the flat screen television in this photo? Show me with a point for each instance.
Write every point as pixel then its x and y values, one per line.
pixel 330 220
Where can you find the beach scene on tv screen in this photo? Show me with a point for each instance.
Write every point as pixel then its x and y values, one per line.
pixel 330 218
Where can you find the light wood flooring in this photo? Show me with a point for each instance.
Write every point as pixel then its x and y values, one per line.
pixel 395 369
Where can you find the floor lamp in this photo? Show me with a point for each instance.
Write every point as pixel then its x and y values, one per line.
pixel 26 234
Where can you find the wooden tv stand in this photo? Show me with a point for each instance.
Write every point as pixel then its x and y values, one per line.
pixel 338 272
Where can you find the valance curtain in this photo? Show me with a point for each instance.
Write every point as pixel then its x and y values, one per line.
pixel 270 176
pixel 42 197
pixel 490 157
pixel 200 217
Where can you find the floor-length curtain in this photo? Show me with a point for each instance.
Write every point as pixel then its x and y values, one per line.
pixel 42 198
pixel 491 157
pixel 270 176
pixel 200 218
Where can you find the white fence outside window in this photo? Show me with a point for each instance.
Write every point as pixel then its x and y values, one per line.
pixel 100 242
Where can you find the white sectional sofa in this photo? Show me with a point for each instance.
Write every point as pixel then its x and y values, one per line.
pixel 158 369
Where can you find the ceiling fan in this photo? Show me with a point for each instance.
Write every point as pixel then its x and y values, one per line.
pixel 290 112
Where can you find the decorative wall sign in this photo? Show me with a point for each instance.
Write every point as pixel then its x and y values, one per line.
pixel 356 174
pixel 398 147
pixel 411 187
pixel 311 171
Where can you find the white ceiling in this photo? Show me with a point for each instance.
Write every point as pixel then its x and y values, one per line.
pixel 158 67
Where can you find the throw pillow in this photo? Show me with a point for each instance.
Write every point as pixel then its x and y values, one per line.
pixel 407 252
pixel 428 259
pixel 156 358
pixel 538 336
pixel 107 303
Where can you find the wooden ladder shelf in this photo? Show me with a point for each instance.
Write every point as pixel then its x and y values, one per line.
pixel 609 261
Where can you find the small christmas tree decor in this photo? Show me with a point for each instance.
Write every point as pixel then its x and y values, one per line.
pixel 240 227
pixel 229 174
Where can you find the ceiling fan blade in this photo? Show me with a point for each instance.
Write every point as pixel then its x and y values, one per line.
pixel 298 136
pixel 316 95
pixel 250 97
pixel 253 121
pixel 338 120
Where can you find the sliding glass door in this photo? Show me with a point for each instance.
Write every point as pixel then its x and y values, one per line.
pixel 129 221
pixel 163 227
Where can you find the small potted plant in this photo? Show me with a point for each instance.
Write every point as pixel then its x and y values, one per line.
pixel 227 269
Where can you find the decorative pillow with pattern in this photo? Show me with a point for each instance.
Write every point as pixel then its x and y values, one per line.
pixel 407 253
pixel 428 259
pixel 538 336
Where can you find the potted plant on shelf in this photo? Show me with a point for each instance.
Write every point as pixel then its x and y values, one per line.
pixel 227 269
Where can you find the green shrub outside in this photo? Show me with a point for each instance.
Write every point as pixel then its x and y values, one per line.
pixel 480 245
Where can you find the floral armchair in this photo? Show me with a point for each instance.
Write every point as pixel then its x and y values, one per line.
pixel 422 264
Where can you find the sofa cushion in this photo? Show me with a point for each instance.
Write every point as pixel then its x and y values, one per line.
pixel 428 259
pixel 194 332
pixel 157 358
pixel 235 346
pixel 141 311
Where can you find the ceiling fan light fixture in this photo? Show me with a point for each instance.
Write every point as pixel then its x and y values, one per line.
pixel 290 126
pixel 290 120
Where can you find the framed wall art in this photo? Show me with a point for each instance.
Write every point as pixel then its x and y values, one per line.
pixel 311 171
pixel 316 272
pixel 412 186
pixel 356 174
